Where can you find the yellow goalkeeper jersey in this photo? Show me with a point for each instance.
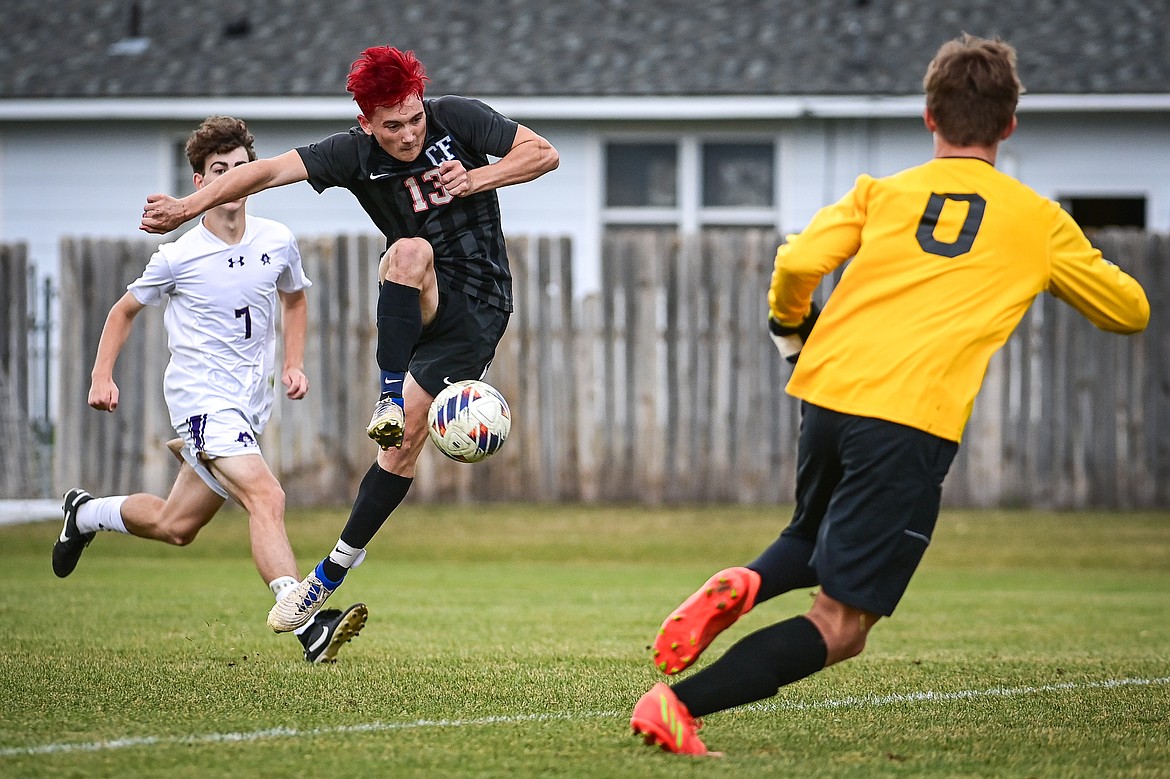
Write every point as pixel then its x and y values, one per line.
pixel 946 258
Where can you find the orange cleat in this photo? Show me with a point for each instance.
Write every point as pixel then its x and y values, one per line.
pixel 691 627
pixel 662 719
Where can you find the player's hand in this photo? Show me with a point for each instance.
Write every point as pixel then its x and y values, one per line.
pixel 161 214
pixel 296 383
pixel 103 395
pixel 790 340
pixel 455 178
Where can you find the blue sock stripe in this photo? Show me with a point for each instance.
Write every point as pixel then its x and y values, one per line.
pixel 320 571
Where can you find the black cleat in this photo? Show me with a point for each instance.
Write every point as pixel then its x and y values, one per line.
pixel 67 551
pixel 330 629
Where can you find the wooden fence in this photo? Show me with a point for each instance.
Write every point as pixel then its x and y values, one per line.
pixel 661 388
pixel 17 451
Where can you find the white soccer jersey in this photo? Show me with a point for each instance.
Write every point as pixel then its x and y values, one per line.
pixel 221 316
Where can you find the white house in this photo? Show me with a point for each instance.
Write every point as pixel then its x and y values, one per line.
pixel 682 113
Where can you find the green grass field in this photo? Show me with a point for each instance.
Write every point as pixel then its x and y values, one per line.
pixel 510 641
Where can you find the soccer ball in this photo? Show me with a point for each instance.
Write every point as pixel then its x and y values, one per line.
pixel 469 421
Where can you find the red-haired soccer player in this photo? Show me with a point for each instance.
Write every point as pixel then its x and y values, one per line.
pixel 420 169
pixel 947 258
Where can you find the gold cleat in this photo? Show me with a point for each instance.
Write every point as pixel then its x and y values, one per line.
pixel 388 425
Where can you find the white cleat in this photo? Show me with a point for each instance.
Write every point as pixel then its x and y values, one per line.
pixel 299 606
pixel 388 424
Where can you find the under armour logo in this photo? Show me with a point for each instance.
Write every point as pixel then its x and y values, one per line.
pixel 232 262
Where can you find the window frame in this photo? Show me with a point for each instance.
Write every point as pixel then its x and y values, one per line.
pixel 1066 200
pixel 181 173
pixel 690 215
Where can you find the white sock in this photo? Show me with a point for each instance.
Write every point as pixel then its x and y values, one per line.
pixel 347 556
pixel 282 586
pixel 102 514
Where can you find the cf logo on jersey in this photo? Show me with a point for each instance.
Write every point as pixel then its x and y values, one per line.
pixel 440 151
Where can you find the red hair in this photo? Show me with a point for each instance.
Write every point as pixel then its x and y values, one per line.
pixel 385 76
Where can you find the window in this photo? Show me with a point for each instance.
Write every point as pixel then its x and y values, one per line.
pixel 691 182
pixel 641 174
pixel 737 174
pixel 181 170
pixel 1097 212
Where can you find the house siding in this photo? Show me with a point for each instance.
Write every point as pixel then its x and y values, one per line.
pixel 90 179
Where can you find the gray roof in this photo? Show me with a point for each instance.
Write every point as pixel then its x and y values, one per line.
pixel 583 48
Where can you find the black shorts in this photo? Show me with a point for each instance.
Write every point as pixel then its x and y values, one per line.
pixel 867 497
pixel 460 343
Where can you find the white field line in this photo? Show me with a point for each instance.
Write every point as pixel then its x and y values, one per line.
pixel 994 692
pixel 383 727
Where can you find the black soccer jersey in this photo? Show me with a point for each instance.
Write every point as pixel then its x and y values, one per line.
pixel 405 199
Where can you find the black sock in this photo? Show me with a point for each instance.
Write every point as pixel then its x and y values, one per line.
pixel 784 567
pixel 755 668
pixel 378 495
pixel 399 325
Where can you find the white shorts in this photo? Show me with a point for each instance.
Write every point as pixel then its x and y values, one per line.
pixel 224 433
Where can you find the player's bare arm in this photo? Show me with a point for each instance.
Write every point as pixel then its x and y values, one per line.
pixel 163 213
pixel 294 317
pixel 103 392
pixel 530 157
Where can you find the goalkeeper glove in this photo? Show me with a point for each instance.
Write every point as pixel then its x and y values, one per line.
pixel 790 340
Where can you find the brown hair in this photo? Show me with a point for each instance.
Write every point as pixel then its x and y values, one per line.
pixel 218 135
pixel 972 89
